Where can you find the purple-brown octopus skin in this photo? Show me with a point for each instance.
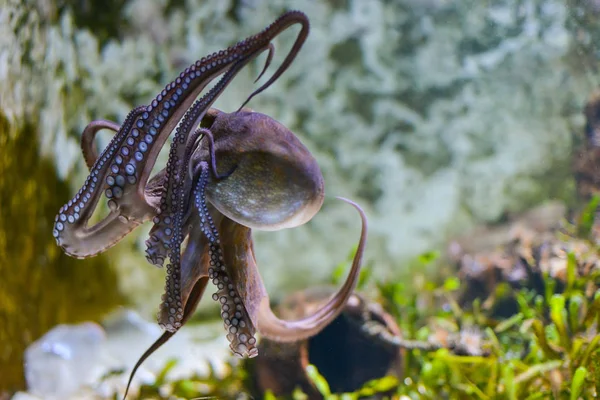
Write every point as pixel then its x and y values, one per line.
pixel 234 173
pixel 276 184
pixel 121 172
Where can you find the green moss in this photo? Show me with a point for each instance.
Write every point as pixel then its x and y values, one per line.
pixel 40 285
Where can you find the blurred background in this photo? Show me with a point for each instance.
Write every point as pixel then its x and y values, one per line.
pixel 437 116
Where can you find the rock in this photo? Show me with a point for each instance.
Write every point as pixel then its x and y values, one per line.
pixel 24 396
pixel 87 361
pixel 129 335
pixel 520 255
pixel 64 359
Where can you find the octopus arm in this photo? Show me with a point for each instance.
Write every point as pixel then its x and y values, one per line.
pixel 280 330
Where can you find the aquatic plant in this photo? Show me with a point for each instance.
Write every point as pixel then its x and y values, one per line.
pixel 549 348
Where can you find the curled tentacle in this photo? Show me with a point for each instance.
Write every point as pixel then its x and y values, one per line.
pixel 90 154
pixel 213 159
pixel 240 263
pixel 70 228
pixel 123 168
pixel 267 62
pixel 280 330
pixel 281 24
pixel 88 148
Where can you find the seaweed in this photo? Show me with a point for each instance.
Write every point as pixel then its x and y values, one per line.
pixel 548 348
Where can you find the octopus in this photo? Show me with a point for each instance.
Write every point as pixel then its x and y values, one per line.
pixel 226 174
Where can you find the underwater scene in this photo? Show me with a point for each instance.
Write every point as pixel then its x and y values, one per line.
pixel 286 199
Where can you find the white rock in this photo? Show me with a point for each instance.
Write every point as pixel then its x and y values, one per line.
pixel 24 396
pixel 70 361
pixel 64 359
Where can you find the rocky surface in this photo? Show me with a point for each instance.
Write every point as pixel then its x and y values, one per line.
pixel 92 361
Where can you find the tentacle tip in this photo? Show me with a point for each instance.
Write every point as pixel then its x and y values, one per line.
pixel 155 260
pixel 235 353
pixel 243 351
pixel 152 256
pixel 169 327
pixel 169 321
pixel 226 174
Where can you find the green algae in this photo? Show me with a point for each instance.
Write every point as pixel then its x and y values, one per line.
pixel 40 285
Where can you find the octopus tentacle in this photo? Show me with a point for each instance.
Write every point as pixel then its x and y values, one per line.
pixel 171 207
pixel 159 241
pixel 281 24
pixel 241 266
pixel 70 229
pixel 267 62
pixel 123 169
pixel 170 316
pixel 159 245
pixel 284 331
pixel 239 327
pixel 90 155
pixel 213 159
pixel 194 298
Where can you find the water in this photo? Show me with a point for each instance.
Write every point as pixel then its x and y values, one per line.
pixel 436 116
